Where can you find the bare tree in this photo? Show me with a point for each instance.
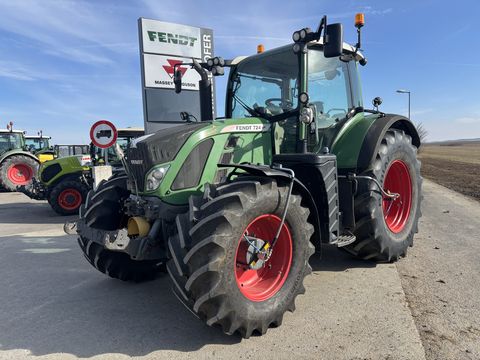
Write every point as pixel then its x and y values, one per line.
pixel 422 131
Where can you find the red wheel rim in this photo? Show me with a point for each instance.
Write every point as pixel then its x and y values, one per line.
pixel 262 284
pixel 397 211
pixel 70 199
pixel 20 174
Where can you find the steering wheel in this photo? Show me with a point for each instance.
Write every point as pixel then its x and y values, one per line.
pixel 282 102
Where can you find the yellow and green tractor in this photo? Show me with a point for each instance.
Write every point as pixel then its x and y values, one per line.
pixel 65 181
pixel 40 146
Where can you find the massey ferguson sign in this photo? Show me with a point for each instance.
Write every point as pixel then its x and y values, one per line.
pixel 162 46
pixel 159 71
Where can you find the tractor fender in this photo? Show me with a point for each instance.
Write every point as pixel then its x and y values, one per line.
pixel 375 134
pixel 298 187
pixel 18 152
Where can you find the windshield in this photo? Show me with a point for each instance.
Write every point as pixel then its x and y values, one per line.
pixel 10 141
pixel 265 85
pixel 111 153
pixel 331 96
pixel 36 144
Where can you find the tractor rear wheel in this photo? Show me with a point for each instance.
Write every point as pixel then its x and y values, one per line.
pixel 17 170
pixel 102 212
pixel 67 196
pixel 385 226
pixel 216 267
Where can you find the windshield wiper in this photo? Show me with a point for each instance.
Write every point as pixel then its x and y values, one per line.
pixel 251 111
pixel 272 118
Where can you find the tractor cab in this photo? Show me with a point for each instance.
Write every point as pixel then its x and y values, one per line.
pixel 37 143
pixel 307 96
pixel 10 140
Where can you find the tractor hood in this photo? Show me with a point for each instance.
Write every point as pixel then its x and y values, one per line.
pixel 160 147
pixel 189 151
pixel 52 170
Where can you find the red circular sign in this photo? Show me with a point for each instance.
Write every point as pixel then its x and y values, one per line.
pixel 103 134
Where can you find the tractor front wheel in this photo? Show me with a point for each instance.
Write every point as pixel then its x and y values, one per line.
pixel 67 196
pixel 102 211
pixel 17 170
pixel 385 225
pixel 220 265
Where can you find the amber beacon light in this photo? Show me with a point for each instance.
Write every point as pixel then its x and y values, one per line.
pixel 359 20
pixel 260 48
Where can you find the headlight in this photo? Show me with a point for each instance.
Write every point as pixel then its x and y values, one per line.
pixel 155 177
pixel 306 115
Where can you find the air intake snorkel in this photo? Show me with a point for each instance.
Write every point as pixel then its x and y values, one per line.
pixel 121 156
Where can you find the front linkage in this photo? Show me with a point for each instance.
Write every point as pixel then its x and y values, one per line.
pixel 36 190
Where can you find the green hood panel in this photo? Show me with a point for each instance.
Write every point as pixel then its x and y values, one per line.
pixel 232 141
pixel 53 170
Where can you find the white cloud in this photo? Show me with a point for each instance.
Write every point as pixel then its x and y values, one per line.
pixel 62 27
pixel 421 112
pixel 467 120
pixel 17 71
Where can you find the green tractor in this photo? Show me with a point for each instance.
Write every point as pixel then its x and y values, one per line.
pixel 65 181
pixel 18 166
pixel 235 207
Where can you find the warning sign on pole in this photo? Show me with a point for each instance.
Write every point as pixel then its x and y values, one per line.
pixel 103 134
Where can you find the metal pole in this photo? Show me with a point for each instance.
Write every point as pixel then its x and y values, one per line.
pixel 105 156
pixel 403 91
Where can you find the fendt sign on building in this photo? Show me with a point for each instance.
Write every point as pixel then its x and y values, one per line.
pixel 162 46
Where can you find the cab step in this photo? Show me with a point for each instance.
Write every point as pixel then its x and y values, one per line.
pixel 344 240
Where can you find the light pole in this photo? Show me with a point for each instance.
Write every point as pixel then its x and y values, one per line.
pixel 403 91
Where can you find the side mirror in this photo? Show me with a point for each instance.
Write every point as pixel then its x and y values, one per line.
pixel 377 102
pixel 334 44
pixel 184 115
pixel 177 80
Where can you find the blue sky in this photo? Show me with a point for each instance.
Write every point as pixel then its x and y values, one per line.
pixel 66 64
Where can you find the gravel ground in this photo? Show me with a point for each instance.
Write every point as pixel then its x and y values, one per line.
pixel 441 275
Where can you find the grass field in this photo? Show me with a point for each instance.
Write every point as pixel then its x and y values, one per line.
pixel 455 165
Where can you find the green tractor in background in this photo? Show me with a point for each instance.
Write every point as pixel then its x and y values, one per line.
pixel 18 166
pixel 65 181
pixel 235 207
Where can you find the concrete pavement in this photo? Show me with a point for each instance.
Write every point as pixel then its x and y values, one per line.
pixel 54 305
